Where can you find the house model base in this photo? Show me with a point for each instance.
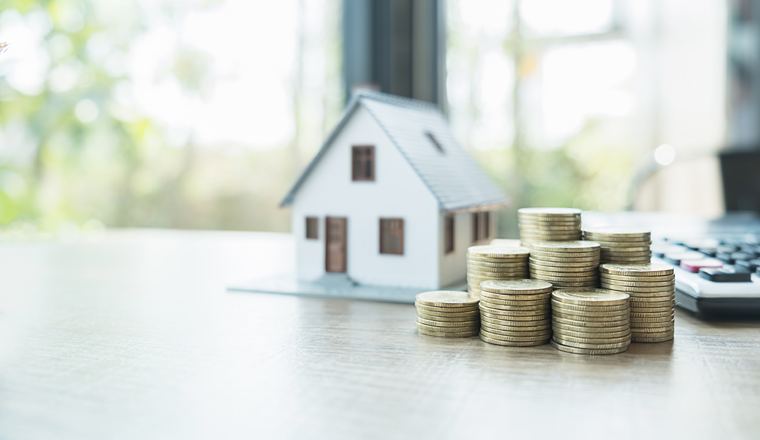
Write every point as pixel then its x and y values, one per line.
pixel 333 286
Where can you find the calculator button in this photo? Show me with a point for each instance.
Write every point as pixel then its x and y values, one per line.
pixel 693 266
pixel 725 275
pixel 676 257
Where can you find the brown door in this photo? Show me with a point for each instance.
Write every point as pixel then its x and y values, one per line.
pixel 335 244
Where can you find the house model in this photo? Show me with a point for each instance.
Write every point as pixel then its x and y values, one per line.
pixel 391 199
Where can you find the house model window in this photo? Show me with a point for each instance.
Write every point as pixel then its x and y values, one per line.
pixel 363 163
pixel 312 226
pixel 392 236
pixel 486 227
pixel 475 227
pixel 448 231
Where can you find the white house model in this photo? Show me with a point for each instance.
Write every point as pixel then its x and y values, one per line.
pixel 391 199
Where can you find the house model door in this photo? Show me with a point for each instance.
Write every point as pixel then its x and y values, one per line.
pixel 335 244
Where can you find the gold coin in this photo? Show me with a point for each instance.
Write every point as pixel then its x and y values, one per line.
pixel 488 251
pixel 590 336
pixel 524 286
pixel 513 338
pixel 516 297
pixel 625 255
pixel 620 321
pixel 489 274
pixel 449 327
pixel 590 316
pixel 507 276
pixel 570 308
pixel 609 276
pixel 617 327
pixel 532 227
pixel 509 302
pixel 511 328
pixel 535 325
pixel 565 265
pixel 539 255
pixel 650 326
pixel 543 308
pixel 627 260
pixel 453 310
pixel 480 260
pixel 588 261
pixel 543 221
pixel 630 249
pixel 645 339
pixel 566 284
pixel 576 246
pixel 560 271
pixel 620 244
pixel 550 212
pixel 467 334
pixel 565 338
pixel 637 256
pixel 618 233
pixel 637 269
pixel 574 271
pixel 653 289
pixel 485 338
pixel 646 284
pixel 514 316
pixel 546 333
pixel 590 296
pixel 596 346
pixel 575 350
pixel 646 301
pixel 446 298
pixel 654 331
pixel 565 276
pixel 652 312
pixel 655 319
pixel 551 236
pixel 440 318
pixel 514 312
pixel 496 267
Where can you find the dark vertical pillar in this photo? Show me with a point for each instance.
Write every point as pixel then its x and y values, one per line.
pixel 396 46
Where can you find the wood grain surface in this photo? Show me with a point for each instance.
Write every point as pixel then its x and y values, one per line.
pixel 133 335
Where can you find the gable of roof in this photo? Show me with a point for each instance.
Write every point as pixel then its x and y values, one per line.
pixel 452 175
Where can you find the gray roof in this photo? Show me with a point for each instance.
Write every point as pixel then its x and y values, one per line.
pixel 453 176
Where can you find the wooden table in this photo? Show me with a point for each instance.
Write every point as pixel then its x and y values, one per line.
pixel 133 335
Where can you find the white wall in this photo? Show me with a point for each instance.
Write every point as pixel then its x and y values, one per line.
pixel 454 264
pixel 396 192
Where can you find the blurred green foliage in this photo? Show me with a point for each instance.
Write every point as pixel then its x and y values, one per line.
pixel 87 158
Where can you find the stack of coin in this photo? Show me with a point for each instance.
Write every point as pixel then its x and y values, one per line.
pixel 495 263
pixel 590 321
pixel 565 263
pixel 548 224
pixel 446 313
pixel 652 290
pixel 515 313
pixel 621 245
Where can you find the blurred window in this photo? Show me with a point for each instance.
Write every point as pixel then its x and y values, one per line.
pixel 363 163
pixel 448 234
pixel 312 228
pixel 475 220
pixel 392 236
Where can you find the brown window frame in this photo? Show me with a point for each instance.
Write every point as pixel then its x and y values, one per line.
pixel 486 227
pixel 475 220
pixel 398 231
pixel 313 232
pixel 359 171
pixel 448 233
